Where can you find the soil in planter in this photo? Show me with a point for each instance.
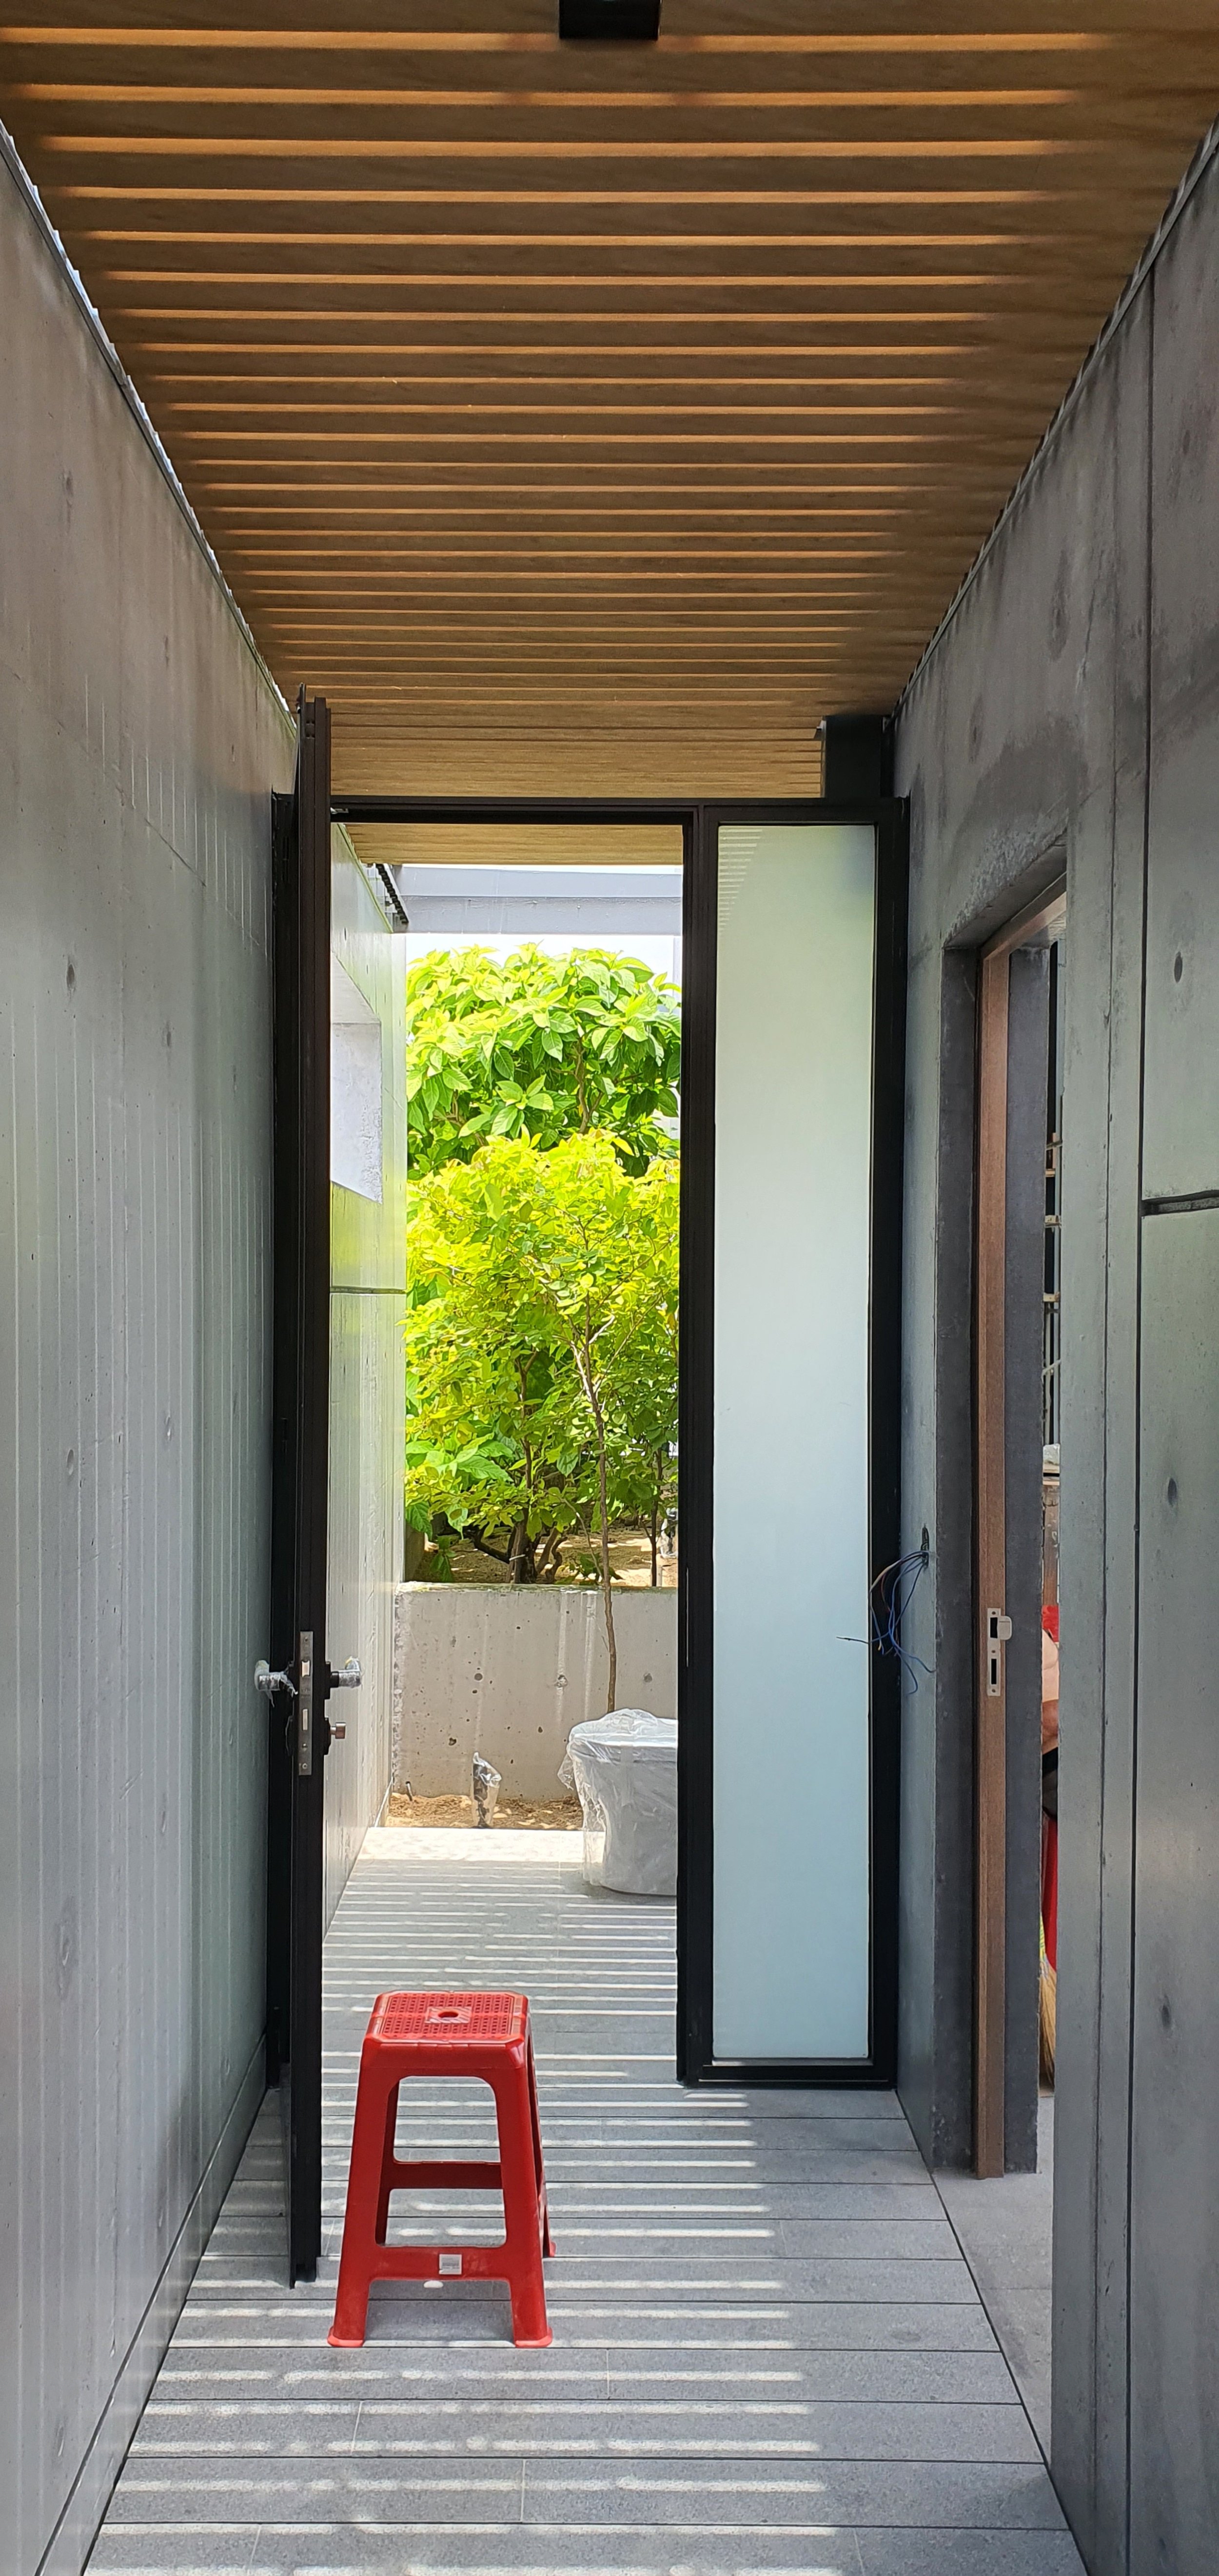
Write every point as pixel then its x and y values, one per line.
pixel 630 1562
pixel 559 1815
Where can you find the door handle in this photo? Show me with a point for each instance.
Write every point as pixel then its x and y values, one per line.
pixel 349 1677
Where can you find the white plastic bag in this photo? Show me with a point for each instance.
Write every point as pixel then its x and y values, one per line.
pixel 624 1770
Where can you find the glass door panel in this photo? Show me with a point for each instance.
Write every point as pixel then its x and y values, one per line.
pixel 793 1084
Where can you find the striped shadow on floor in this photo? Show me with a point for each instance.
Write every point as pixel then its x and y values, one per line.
pixel 768 2353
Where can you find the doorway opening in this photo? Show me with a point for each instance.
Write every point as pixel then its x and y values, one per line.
pixel 1003 2215
pixel 543 980
pixel 792 983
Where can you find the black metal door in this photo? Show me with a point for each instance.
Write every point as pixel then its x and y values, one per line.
pixel 298 1677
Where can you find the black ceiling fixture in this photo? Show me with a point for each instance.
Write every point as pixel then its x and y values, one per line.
pixel 613 22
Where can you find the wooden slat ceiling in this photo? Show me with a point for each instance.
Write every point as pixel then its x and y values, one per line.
pixel 593 419
pixel 520 845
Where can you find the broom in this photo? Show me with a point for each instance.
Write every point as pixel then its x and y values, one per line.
pixel 1048 2016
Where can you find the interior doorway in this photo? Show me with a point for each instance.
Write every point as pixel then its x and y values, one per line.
pixel 1018 1389
pixel 1002 2210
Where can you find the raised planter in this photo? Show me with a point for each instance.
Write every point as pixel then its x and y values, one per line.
pixel 506 1673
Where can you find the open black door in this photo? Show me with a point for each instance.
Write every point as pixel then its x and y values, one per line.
pixel 297 1679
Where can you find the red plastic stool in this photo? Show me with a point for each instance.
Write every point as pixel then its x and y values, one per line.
pixel 482 2035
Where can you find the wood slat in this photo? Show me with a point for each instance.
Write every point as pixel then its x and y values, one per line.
pixel 557 408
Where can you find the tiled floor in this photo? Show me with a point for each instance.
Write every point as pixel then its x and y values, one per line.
pixel 768 2353
pixel 1005 2232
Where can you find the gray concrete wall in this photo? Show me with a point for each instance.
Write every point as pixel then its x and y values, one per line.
pixel 1072 707
pixel 139 742
pixel 507 1673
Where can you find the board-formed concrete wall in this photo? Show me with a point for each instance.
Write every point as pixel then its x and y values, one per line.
pixel 139 743
pixel 1070 712
pixel 489 1669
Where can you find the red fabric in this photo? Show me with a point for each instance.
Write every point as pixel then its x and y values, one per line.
pixel 1049 1836
pixel 1049 1887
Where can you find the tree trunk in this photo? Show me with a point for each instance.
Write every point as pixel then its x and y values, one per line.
pixel 498 1555
pixel 607 1587
pixel 520 1555
pixel 607 1590
pixel 582 1353
pixel 652 1534
pixel 546 1561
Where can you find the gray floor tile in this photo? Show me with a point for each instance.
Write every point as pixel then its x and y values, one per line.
pixel 209 2492
pixel 968 2496
pixel 779 2427
pixel 414 2318
pixel 396 2373
pixel 173 2549
pixel 769 2352
pixel 1005 2230
pixel 679 2271
pixel 342 2550
pixel 882 2240
pixel 955 2553
pixel 905 2496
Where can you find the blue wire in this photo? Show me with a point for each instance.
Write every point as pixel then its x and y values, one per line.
pixel 903 1578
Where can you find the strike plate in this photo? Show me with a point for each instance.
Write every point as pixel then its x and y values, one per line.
pixel 998 1630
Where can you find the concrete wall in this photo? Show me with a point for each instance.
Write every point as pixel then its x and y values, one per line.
pixel 1072 707
pixel 506 1673
pixel 139 742
pixel 367 1392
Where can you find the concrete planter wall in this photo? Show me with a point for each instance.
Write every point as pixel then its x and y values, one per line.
pixel 508 1674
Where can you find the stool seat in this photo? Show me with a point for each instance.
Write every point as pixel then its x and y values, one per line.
pixel 463 2021
pixel 486 2036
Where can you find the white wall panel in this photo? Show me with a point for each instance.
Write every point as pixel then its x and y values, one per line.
pixel 367 1393
pixel 139 741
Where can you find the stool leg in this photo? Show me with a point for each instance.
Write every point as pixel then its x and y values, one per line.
pixel 522 2212
pixel 387 2165
pixel 539 2168
pixel 357 2262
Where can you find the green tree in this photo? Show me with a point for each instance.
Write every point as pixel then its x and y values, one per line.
pixel 644 1399
pixel 539 1046
pixel 497 1442
pixel 542 1349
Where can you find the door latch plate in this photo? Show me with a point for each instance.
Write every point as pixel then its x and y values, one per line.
pixel 998 1631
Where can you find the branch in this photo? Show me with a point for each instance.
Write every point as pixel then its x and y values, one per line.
pixel 502 1555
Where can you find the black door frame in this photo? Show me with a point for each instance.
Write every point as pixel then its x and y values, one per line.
pixel 699 823
pixel 298 1728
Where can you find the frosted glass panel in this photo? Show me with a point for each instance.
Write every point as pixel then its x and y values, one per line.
pixel 793 1093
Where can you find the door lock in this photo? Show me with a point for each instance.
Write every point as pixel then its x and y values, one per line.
pixel 268 1682
pixel 998 1631
pixel 348 1677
